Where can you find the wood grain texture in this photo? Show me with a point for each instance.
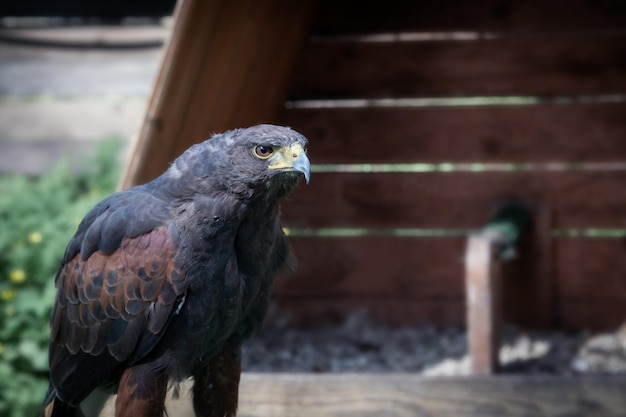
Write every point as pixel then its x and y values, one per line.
pixel 602 314
pixel 455 200
pixel 467 15
pixel 346 395
pixel 417 281
pixel 306 311
pixel 590 269
pixel 207 84
pixel 542 133
pixel 414 268
pixel 398 281
pixel 532 66
pixel 410 395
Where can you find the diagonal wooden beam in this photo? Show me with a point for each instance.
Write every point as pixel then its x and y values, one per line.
pixel 226 65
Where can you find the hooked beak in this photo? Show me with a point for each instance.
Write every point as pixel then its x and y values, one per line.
pixel 292 158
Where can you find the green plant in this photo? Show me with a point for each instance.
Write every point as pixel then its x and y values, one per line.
pixel 37 218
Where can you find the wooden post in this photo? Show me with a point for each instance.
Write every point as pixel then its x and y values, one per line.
pixel 226 65
pixel 486 251
pixel 483 295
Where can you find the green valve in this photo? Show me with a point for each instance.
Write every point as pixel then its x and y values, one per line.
pixel 510 222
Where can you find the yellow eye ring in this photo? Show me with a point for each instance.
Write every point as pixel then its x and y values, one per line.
pixel 263 152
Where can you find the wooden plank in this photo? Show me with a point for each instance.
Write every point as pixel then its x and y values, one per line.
pixel 542 133
pixel 398 281
pixel 466 15
pixel 581 263
pixel 308 311
pixel 207 85
pixel 595 314
pixel 455 200
pixel 540 66
pixel 317 395
pixel 572 314
pixel 410 395
pixel 409 281
pixel 374 265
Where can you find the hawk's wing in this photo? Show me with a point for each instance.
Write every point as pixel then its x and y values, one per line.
pixel 114 300
pixel 106 301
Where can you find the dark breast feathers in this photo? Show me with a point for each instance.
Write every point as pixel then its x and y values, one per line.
pixel 164 281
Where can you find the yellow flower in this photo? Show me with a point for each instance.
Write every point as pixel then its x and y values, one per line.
pixel 7 295
pixel 17 276
pixel 35 238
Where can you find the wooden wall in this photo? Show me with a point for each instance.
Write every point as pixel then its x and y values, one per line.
pixel 533 91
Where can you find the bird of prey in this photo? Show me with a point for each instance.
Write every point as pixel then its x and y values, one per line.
pixel 164 281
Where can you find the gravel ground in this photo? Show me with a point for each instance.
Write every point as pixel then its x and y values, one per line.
pixel 359 345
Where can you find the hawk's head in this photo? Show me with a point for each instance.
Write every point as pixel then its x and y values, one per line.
pixel 261 158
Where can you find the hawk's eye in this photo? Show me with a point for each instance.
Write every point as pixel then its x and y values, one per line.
pixel 263 152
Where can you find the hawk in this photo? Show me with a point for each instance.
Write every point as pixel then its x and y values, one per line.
pixel 164 281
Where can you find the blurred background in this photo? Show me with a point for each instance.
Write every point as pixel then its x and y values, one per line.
pixel 72 74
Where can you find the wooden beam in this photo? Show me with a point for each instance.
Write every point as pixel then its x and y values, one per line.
pixel 346 395
pixel 577 199
pixel 226 65
pixel 540 65
pixel 538 133
pixel 423 280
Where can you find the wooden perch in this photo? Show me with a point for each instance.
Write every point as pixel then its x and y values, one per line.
pixel 357 395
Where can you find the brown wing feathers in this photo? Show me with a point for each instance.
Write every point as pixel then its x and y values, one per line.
pixel 138 284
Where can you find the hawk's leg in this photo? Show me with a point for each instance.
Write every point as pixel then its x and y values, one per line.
pixel 141 392
pixel 216 384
